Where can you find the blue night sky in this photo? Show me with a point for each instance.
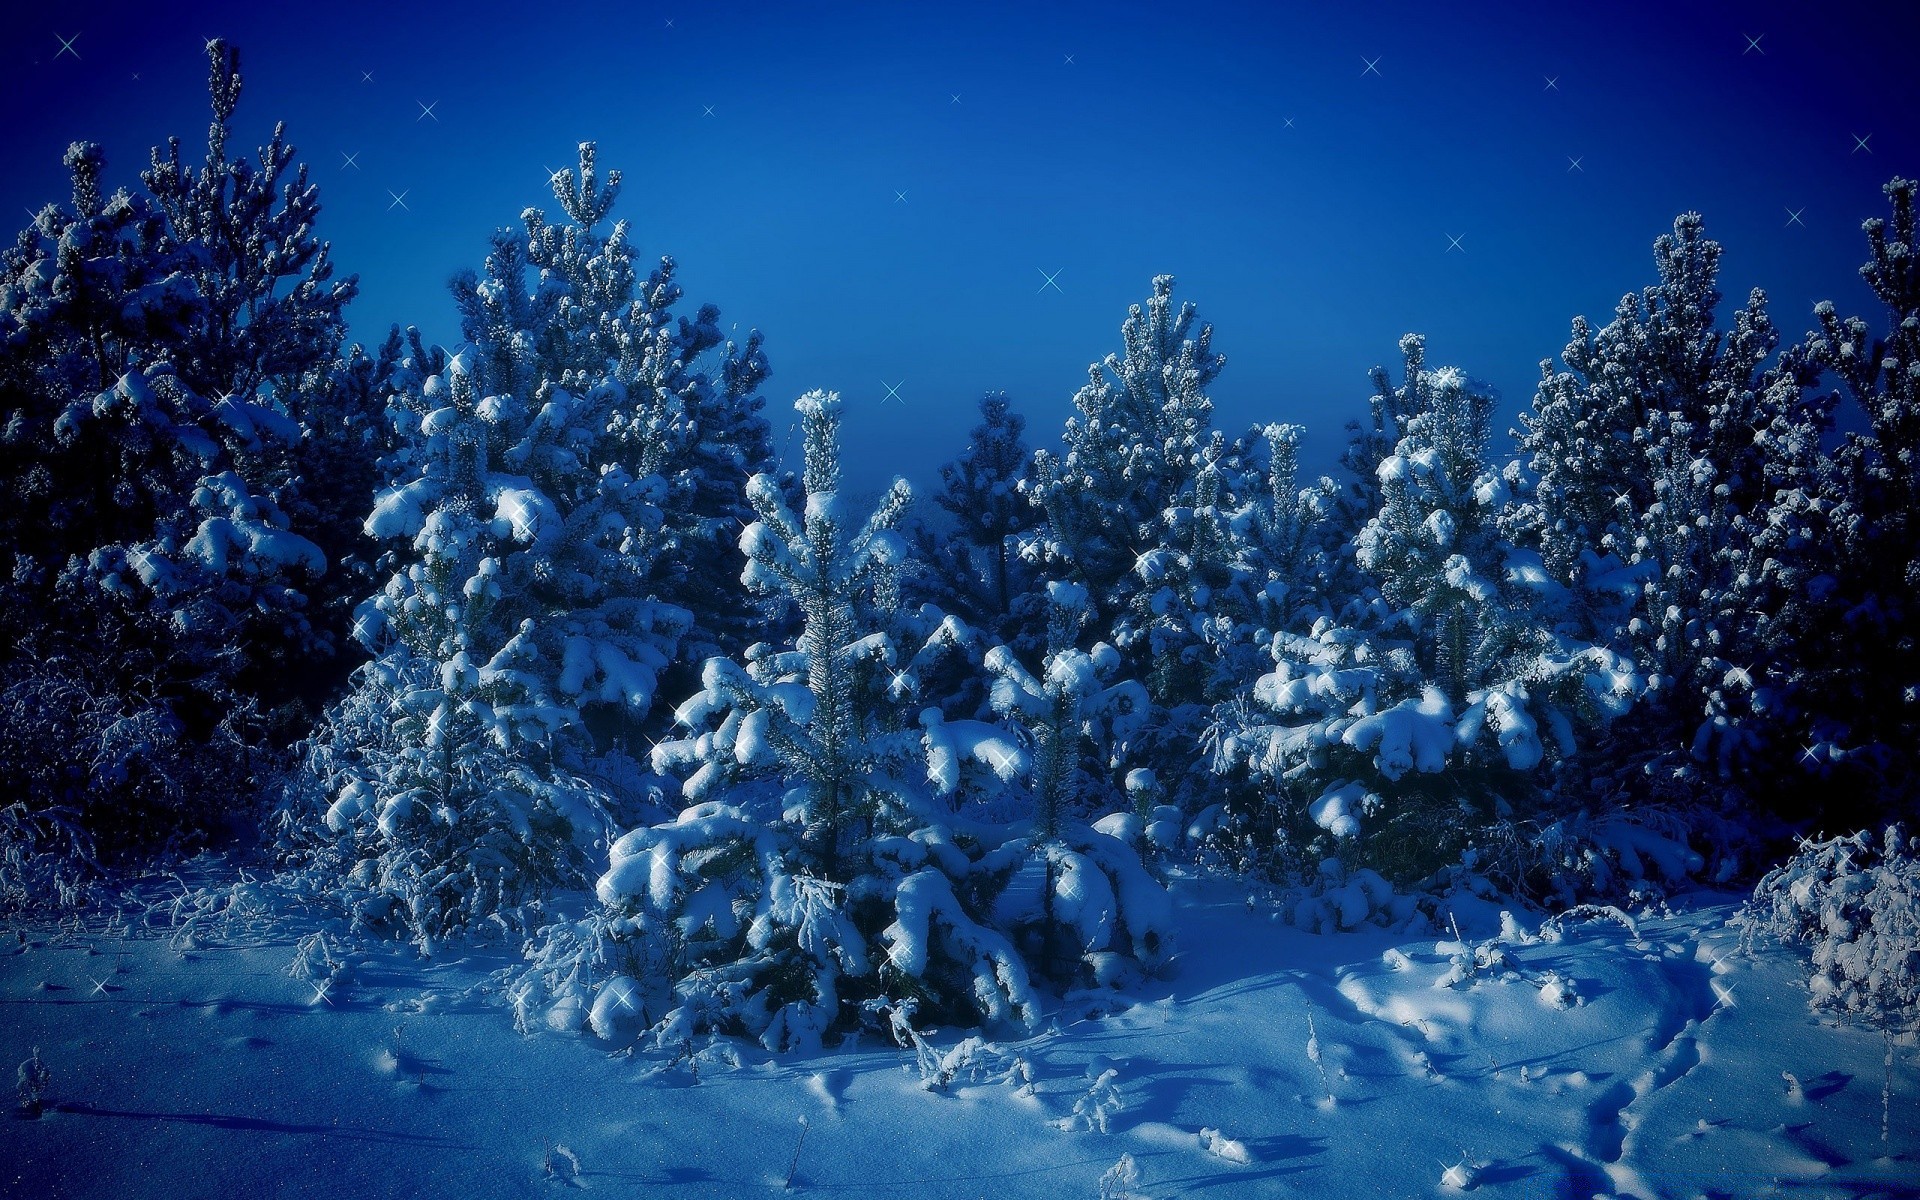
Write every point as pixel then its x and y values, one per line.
pixel 814 174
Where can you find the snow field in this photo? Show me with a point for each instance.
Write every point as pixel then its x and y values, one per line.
pixel 271 1065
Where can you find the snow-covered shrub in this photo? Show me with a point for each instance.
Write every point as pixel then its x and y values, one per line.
pixel 31 1081
pixel 1120 1179
pixel 822 863
pixel 1853 903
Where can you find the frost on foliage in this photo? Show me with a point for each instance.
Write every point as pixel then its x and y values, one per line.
pixel 1853 904
pixel 823 866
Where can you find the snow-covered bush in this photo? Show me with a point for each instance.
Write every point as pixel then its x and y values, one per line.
pixel 1853 903
pixel 31 1081
pixel 822 864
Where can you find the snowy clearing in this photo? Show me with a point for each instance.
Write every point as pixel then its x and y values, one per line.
pixel 1272 1062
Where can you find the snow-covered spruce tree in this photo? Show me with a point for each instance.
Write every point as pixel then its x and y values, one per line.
pixel 1428 708
pixel 823 869
pixel 151 565
pixel 1673 498
pixel 1863 685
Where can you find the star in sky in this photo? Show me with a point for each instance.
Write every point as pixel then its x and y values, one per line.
pixel 1793 217
pixel 1573 164
pixel 1050 278
pixel 352 160
pixel 1753 44
pixel 366 77
pixel 899 197
pixel 709 110
pixel 1453 243
pixel 426 110
pixel 1553 83
pixel 1860 143
pixel 1289 124
pixel 66 47
pixel 399 198
pixel 893 391
pixel 1372 67
pixel 956 96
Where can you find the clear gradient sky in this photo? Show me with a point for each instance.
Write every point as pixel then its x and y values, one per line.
pixel 885 189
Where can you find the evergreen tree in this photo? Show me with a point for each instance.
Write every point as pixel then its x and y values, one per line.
pixel 1671 467
pixel 981 491
pixel 561 303
pixel 1133 451
pixel 1435 691
pixel 149 373
pixel 822 870
pixel 1864 684
pixel 548 495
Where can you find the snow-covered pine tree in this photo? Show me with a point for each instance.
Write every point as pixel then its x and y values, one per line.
pixel 1864 682
pixel 823 869
pixel 1134 513
pixel 534 493
pixel 1075 897
pixel 981 491
pixel 275 315
pixel 1672 472
pixel 1277 531
pixel 346 436
pixel 1133 451
pixel 152 564
pixel 1435 695
pixel 559 303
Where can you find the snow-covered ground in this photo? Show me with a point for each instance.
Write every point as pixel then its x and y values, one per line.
pixel 1658 1061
